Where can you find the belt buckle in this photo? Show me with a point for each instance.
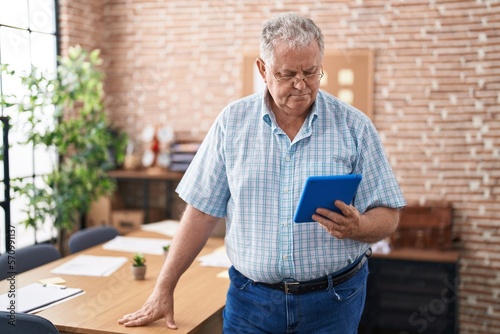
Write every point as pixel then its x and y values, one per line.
pixel 290 284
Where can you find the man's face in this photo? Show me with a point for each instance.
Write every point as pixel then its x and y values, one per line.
pixel 293 97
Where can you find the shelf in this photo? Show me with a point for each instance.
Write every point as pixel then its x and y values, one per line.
pixel 146 174
pixel 417 254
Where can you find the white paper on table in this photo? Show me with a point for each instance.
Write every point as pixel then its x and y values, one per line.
pixel 90 265
pixel 137 245
pixel 39 309
pixel 34 296
pixel 166 227
pixel 218 258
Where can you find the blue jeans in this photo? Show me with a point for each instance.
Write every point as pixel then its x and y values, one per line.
pixel 253 308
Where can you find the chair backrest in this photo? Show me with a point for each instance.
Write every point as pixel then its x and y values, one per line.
pixel 22 323
pixel 26 258
pixel 89 237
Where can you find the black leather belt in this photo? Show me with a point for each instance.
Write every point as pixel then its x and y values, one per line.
pixel 299 288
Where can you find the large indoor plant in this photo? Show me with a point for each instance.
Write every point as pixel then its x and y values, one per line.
pixel 79 133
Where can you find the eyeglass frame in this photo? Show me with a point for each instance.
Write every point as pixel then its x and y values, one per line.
pixel 296 80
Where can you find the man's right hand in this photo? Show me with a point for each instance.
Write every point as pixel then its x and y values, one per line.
pixel 156 307
pixel 193 232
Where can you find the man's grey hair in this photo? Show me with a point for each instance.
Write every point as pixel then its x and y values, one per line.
pixel 292 29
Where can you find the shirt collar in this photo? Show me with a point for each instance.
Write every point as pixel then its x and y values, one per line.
pixel 266 113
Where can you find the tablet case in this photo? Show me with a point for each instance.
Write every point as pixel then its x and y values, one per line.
pixel 322 192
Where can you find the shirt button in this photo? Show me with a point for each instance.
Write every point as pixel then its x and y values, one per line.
pixel 285 190
pixel 285 257
pixel 287 158
pixel 285 224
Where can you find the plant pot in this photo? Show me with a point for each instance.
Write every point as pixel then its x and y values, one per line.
pixel 139 273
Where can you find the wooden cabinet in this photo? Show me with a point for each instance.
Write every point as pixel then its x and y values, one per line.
pixel 412 291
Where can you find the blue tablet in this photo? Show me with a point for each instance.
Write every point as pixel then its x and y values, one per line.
pixel 322 192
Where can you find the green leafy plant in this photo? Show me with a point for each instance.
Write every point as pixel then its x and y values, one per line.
pixel 138 260
pixel 166 248
pixel 65 114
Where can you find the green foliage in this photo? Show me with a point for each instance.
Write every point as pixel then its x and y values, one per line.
pixel 77 130
pixel 138 260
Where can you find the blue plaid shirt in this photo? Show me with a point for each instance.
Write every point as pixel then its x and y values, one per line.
pixel 249 171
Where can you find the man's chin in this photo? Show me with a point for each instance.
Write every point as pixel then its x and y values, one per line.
pixel 303 102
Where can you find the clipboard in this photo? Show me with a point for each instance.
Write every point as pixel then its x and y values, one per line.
pixel 35 296
pixel 322 192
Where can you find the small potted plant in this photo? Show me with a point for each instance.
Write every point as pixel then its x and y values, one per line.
pixel 165 250
pixel 139 266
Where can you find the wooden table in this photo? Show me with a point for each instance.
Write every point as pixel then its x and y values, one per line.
pixel 199 297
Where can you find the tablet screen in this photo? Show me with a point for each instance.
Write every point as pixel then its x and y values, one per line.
pixel 322 192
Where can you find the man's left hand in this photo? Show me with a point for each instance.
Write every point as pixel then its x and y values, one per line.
pixel 339 226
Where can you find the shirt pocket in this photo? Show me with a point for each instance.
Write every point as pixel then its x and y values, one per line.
pixel 328 166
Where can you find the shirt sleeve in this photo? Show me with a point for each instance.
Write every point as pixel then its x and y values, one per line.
pixel 204 184
pixel 379 186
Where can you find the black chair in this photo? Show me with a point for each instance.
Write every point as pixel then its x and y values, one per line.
pixel 26 258
pixel 24 323
pixel 90 236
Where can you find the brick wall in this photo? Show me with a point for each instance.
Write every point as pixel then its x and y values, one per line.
pixel 81 22
pixel 436 94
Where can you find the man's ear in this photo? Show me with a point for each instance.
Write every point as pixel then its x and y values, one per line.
pixel 261 66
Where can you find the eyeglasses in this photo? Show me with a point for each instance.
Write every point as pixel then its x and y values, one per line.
pixel 309 79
